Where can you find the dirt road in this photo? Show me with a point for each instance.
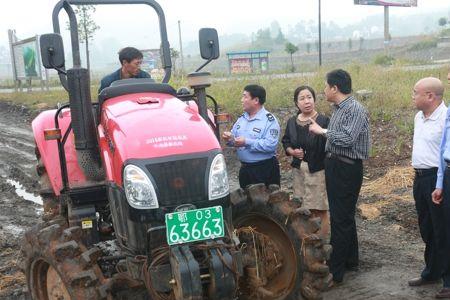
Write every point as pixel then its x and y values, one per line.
pixel 391 249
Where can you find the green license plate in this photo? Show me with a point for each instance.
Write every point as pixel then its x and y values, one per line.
pixel 194 225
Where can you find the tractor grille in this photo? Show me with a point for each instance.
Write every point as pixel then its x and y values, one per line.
pixel 180 181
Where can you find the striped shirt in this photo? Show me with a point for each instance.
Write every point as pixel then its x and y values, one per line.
pixel 348 132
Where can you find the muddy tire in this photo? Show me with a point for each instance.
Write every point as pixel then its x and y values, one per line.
pixel 58 266
pixel 291 258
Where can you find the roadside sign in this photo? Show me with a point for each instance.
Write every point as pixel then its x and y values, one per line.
pixel 27 60
pixel 404 3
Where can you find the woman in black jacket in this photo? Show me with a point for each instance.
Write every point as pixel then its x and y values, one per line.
pixel 308 154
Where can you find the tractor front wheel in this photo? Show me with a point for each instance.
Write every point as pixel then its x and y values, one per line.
pixel 283 256
pixel 57 265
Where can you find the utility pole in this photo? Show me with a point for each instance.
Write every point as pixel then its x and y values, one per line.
pixel 386 27
pixel 320 35
pixel 181 47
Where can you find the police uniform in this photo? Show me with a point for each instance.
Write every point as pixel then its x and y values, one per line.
pixel 258 161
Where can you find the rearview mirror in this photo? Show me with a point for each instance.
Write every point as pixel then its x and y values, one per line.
pixel 209 43
pixel 52 51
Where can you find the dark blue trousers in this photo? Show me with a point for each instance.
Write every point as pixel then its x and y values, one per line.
pixel 446 209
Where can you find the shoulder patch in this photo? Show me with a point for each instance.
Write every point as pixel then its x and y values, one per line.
pixel 270 117
pixel 274 133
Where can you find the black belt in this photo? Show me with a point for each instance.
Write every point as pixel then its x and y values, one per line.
pixel 257 163
pixel 341 158
pixel 425 172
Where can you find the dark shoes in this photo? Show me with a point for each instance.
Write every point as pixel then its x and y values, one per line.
pixel 419 281
pixel 443 294
pixel 352 268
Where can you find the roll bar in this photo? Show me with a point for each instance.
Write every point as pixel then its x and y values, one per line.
pixel 166 61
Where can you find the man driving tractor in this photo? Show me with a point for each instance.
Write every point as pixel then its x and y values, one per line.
pixel 131 60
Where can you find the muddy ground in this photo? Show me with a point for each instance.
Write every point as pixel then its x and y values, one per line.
pixel 390 246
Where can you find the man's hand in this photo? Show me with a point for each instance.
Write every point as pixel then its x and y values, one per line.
pixel 314 127
pixel 436 196
pixel 298 153
pixel 227 136
pixel 239 141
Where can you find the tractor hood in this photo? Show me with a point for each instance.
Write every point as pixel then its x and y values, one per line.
pixel 151 125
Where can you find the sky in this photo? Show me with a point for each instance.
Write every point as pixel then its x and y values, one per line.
pixel 137 25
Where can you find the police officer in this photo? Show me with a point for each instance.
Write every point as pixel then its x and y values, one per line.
pixel 255 136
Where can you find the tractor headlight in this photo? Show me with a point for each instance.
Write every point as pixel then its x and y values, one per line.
pixel 218 178
pixel 139 189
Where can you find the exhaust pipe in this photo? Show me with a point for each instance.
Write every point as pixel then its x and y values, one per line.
pixel 83 124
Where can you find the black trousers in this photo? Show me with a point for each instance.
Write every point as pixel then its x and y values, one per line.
pixel 431 224
pixel 265 171
pixel 445 206
pixel 343 181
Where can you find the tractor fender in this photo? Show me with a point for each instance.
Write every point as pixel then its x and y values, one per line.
pixel 106 154
pixel 48 150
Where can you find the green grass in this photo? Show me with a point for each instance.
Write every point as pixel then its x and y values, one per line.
pixel 390 106
pixel 390 101
pixel 423 45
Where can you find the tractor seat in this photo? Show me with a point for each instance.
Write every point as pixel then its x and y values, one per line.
pixel 134 85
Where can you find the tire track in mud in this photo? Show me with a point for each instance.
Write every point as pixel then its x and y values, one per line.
pixel 17 167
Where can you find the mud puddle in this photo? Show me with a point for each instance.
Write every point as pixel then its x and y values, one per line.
pixel 21 192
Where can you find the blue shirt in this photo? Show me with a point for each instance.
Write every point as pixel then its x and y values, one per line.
pixel 444 151
pixel 117 75
pixel 261 135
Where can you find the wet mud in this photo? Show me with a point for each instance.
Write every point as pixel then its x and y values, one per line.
pixel 391 251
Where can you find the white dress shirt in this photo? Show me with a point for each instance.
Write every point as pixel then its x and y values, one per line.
pixel 427 138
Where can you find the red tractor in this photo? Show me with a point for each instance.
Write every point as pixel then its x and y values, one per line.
pixel 136 195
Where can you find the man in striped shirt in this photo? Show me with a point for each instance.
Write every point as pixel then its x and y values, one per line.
pixel 348 143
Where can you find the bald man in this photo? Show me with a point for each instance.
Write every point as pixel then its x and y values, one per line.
pixel 441 198
pixel 428 127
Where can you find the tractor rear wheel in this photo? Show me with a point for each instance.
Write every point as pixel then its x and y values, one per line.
pixel 57 265
pixel 283 256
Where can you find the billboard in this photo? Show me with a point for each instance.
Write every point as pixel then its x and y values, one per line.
pixel 27 63
pixel 151 59
pixel 404 3
pixel 240 65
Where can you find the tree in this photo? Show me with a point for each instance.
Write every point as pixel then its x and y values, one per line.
pixel 86 27
pixel 443 21
pixel 275 29
pixel 263 38
pixel 291 49
pixel 280 39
